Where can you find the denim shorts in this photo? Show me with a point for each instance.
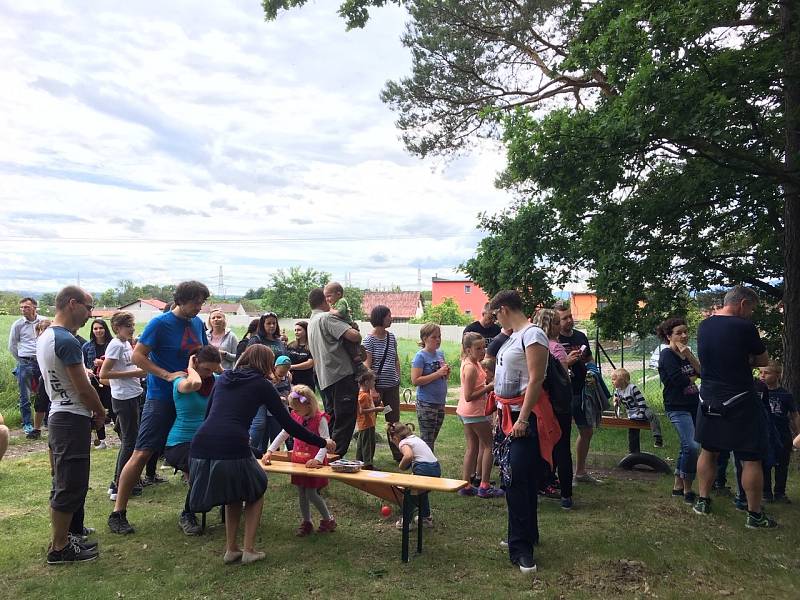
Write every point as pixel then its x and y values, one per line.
pixel 578 413
pixel 471 420
pixel 157 419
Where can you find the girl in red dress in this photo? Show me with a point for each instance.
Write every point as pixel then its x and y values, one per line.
pixel 306 412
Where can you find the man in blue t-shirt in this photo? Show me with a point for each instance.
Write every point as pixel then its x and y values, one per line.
pixel 163 352
pixel 731 416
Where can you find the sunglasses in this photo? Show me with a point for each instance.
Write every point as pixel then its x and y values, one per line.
pixel 269 314
pixel 89 307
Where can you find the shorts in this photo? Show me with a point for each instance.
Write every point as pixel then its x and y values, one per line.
pixel 157 419
pixel 69 439
pixel 177 456
pixel 741 456
pixel 578 414
pixel 472 420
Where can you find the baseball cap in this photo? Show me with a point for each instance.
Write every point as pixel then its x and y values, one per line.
pixel 283 360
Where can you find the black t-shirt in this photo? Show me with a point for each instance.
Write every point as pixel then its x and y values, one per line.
pixel 578 369
pixel 497 343
pixel 781 407
pixel 299 354
pixel 679 391
pixel 724 347
pixel 488 333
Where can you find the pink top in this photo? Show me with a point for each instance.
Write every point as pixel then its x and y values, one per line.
pixel 477 407
pixel 557 350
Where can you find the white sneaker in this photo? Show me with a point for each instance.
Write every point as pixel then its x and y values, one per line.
pixel 101 446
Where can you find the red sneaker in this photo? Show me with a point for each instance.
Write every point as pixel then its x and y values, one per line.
pixel 327 525
pixel 306 528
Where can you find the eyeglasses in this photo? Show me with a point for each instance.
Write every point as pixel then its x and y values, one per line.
pixel 89 307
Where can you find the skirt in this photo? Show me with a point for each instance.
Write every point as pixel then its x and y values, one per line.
pixel 217 482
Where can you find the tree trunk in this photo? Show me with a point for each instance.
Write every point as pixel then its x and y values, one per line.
pixel 790 24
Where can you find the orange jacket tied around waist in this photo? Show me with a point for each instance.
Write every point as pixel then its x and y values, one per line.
pixel 547 427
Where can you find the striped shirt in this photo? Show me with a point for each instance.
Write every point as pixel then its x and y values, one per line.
pixel 389 376
pixel 633 401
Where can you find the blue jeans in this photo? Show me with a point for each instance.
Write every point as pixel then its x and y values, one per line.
pixel 522 497
pixel 25 372
pixel 683 421
pixel 263 429
pixel 428 470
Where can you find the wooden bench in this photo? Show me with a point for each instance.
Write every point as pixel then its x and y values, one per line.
pixel 635 455
pixel 449 409
pixel 393 487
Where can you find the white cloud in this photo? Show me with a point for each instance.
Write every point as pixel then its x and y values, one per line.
pixel 156 141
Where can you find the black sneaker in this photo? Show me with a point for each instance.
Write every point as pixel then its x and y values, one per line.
pixel 71 553
pixel 137 490
pixel 526 564
pixel 702 506
pixel 689 497
pixel 759 521
pixel 34 434
pixel 82 542
pixel 781 499
pixel 658 442
pixel 118 523
pixel 148 480
pixel 189 525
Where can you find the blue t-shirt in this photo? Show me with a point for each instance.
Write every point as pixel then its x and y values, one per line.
pixel 171 340
pixel 190 411
pixel 434 392
pixel 724 347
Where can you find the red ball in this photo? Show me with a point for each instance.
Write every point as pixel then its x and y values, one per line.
pixel 386 511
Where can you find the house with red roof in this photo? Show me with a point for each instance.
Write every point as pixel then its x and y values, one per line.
pixel 145 305
pixel 229 308
pixel 404 305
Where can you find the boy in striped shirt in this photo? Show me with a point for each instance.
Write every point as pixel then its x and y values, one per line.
pixel 629 396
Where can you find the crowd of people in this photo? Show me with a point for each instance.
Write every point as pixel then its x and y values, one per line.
pixel 214 406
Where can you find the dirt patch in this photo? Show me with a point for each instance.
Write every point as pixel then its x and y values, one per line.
pixel 625 475
pixel 19 446
pixel 609 578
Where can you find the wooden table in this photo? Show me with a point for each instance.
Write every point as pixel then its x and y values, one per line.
pixel 393 487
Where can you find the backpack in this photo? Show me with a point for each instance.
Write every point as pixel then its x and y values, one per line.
pixel 556 382
pixel 241 347
pixel 558 386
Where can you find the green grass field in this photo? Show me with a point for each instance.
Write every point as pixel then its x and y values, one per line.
pixel 624 539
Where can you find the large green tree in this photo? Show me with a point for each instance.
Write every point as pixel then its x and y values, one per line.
pixel 287 293
pixel 653 146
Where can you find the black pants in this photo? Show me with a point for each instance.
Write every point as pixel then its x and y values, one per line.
pixel 783 457
pixel 562 455
pixel 342 399
pixel 522 496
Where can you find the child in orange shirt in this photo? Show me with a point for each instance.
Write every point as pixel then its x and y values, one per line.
pixel 365 421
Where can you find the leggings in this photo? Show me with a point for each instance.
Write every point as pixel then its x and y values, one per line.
pixel 311 496
pixel 562 455
pixel 127 412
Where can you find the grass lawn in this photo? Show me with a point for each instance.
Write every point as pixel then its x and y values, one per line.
pixel 624 539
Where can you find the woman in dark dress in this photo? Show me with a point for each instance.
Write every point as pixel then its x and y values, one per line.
pixel 222 468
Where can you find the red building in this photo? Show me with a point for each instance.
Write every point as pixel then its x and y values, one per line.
pixel 467 294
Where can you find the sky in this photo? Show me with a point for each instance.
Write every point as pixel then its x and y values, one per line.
pixel 159 141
